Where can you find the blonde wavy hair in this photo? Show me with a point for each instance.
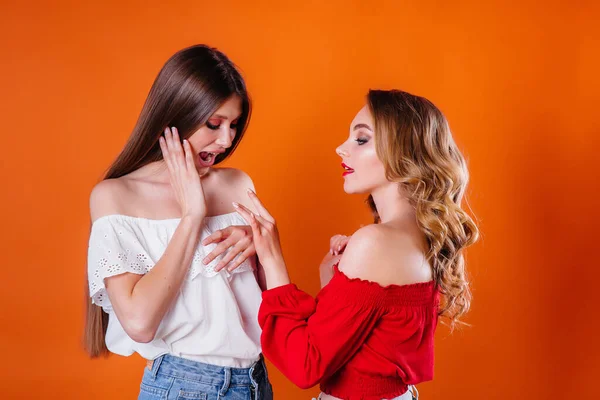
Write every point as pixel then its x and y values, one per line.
pixel 414 142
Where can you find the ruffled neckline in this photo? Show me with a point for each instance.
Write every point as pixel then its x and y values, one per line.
pixel 379 286
pixel 162 220
pixel 414 294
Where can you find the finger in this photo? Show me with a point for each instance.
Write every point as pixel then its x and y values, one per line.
pixel 334 244
pixel 243 211
pixel 341 244
pixel 217 251
pixel 344 242
pixel 167 155
pixel 333 241
pixel 249 217
pixel 217 236
pixel 232 253
pixel 189 158
pixel 171 149
pixel 249 252
pixel 336 247
pixel 260 219
pixel 177 149
pixel 169 138
pixel 163 148
pixel 262 211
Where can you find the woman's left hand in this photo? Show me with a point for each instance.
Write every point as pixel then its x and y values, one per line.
pixel 266 241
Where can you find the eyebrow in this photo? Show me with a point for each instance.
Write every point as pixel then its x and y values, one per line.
pixel 358 126
pixel 224 117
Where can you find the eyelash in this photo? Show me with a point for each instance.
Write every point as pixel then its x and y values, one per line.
pixel 361 141
pixel 215 127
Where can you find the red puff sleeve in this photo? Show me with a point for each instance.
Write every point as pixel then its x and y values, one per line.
pixel 309 339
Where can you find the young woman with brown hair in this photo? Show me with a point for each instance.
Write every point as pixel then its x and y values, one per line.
pixel 154 288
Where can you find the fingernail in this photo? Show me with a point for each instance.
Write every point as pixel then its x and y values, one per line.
pixel 205 261
pixel 166 130
pixel 236 205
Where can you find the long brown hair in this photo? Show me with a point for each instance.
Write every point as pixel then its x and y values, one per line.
pixel 414 142
pixel 189 88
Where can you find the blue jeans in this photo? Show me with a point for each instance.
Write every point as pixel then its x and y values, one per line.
pixel 175 378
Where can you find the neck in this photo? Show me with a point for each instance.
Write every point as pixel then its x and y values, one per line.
pixel 391 204
pixel 159 170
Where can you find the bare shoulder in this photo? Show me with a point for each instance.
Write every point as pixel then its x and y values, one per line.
pixel 107 198
pixel 235 177
pixel 385 255
pixel 233 186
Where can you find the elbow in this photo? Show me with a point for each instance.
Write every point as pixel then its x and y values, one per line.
pixel 140 331
pixel 305 381
pixel 305 384
pixel 142 336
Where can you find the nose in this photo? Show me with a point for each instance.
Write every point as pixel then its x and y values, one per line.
pixel 225 137
pixel 341 151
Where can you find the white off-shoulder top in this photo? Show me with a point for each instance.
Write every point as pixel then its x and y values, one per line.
pixel 213 319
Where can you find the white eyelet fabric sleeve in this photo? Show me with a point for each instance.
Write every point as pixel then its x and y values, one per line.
pixel 114 248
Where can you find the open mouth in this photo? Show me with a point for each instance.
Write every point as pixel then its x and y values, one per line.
pixel 207 158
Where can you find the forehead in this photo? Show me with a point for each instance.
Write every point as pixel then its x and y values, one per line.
pixel 363 117
pixel 231 107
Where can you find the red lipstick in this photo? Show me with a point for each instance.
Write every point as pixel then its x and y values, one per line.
pixel 347 171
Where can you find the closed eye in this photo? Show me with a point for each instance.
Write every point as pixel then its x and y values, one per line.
pixel 216 127
pixel 212 127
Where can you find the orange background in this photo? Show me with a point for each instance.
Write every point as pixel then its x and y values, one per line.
pixel 518 83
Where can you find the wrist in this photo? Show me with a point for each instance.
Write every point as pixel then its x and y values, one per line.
pixel 276 277
pixel 273 264
pixel 192 220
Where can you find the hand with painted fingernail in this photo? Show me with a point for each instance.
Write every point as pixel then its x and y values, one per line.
pixel 265 236
pixel 236 240
pixel 338 243
pixel 183 174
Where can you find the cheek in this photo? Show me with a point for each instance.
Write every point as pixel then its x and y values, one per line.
pixel 373 170
pixel 370 159
pixel 200 138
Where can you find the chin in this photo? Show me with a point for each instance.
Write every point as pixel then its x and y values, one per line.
pixel 349 189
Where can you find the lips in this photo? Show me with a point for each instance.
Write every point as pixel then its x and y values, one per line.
pixel 347 169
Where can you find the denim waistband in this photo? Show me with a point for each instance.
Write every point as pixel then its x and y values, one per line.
pixel 206 373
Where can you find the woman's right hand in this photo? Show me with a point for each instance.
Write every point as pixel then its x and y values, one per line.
pixel 183 174
pixel 337 245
